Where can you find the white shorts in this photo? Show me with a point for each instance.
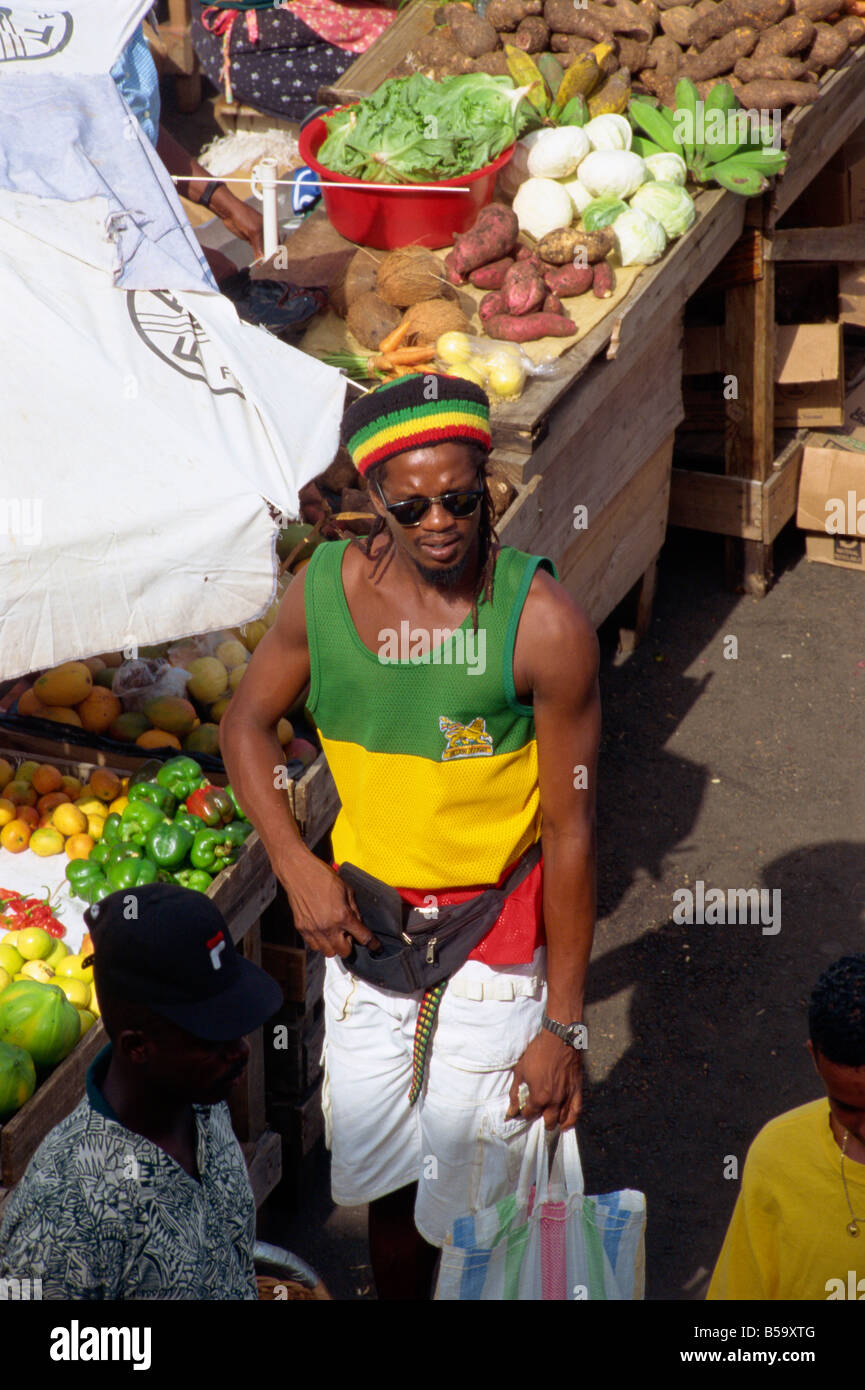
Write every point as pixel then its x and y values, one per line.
pixel 454 1142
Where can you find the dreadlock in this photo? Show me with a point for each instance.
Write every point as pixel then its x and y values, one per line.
pixel 488 540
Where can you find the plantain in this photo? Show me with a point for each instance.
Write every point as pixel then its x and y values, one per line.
pixel 657 127
pixel 580 78
pixel 526 73
pixel 613 96
pixel 739 178
pixel 721 98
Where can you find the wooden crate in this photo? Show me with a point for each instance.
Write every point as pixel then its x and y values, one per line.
pixel 371 68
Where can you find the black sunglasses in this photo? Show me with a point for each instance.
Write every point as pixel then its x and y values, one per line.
pixel 414 509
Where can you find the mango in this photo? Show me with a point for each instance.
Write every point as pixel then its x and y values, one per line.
pixel 158 738
pixel 104 783
pixel 27 771
pixel 7 772
pixel 208 679
pixel 71 786
pixel 99 710
pixel 94 664
pixel 127 727
pixel 203 740
pixel 60 714
pixel 28 705
pixel 172 714
pixel 66 685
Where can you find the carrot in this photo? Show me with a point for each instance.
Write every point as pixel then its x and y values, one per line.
pixel 394 338
pixel 404 357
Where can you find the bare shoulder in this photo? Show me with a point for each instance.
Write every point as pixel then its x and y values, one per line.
pixel 554 629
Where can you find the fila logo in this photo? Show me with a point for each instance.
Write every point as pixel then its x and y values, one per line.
pixel 215 946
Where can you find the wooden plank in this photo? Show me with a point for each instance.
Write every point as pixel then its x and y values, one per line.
pixel 812 134
pixel 749 357
pixel 604 562
pixel 56 1098
pixel 631 637
pixel 315 801
pixel 782 489
pixel 372 67
pixel 245 888
pixel 264 1165
pixel 521 523
pixel 742 265
pixel 246 1102
pixel 721 504
pixel 819 243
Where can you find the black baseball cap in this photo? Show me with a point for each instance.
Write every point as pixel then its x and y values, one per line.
pixel 170 949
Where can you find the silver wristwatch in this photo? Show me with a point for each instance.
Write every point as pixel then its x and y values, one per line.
pixel 574 1034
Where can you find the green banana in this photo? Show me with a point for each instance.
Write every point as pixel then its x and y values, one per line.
pixel 575 113
pixel 643 147
pixel 659 130
pixel 739 178
pixel 721 98
pixel 767 162
pixel 687 97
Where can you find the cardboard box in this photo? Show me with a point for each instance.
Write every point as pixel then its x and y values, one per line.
pixel 809 370
pixel 831 506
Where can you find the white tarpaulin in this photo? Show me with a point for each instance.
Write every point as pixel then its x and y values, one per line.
pixel 142 422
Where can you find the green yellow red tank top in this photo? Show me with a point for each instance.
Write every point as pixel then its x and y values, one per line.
pixel 434 757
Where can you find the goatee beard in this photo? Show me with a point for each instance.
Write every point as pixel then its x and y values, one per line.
pixel 443 578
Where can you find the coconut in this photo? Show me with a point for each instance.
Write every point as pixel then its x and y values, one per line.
pixel 427 322
pixel 410 275
pixel 370 319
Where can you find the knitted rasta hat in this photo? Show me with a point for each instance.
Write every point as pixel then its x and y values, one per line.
pixel 415 412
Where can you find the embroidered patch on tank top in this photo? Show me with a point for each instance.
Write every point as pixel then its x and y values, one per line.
pixel 465 740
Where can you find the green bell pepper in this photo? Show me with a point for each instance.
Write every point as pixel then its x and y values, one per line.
pixel 159 796
pixel 238 809
pixel 120 852
pixel 196 879
pixel 237 833
pixel 99 852
pixel 131 873
pixel 212 805
pixel 168 844
pixel 181 776
pixel 86 880
pixel 137 820
pixel 210 850
pixel 111 829
pixel 189 821
pixel 146 772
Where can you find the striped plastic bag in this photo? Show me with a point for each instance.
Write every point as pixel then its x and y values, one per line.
pixel 548 1241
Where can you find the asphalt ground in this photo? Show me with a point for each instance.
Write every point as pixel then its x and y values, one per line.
pixel 742 771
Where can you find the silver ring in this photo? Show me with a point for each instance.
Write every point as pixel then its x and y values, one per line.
pixel 523 1095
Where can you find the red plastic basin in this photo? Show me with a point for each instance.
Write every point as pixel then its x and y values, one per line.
pixel 378 216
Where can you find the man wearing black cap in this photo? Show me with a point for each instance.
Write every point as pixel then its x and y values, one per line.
pixel 142 1191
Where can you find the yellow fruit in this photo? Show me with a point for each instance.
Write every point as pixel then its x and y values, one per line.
pixel 5 979
pixel 87 1020
pixel 46 841
pixel 76 991
pixel 71 968
pixel 284 732
pixel 100 709
pixel 28 704
pixel 66 685
pixel 61 714
pixel 8 809
pixel 91 806
pixel 252 634
pixel 68 819
pixel 34 943
pixel 231 654
pixel 37 970
pixel 208 679
pixel 118 805
pixel 467 372
pixel 95 826
pixel 158 738
pixel 15 836
pixel 218 708
pixel 10 960
pixel 71 786
pixel 10 938
pixel 506 379
pixel 235 676
pixel 19 792
pixel 7 772
pixel 79 846
pixel 45 804
pixel 59 953
pixel 204 739
pixel 27 771
pixel 104 784
pixel 453 347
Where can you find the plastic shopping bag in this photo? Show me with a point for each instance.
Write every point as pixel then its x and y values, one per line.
pixel 548 1240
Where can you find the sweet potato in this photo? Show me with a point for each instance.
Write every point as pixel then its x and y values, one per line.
pixel 493 235
pixel 507 15
pixel 533 35
pixel 474 34
pixel 525 253
pixel 792 35
pixel 829 46
pixel 491 305
pixel 853 27
pixel 721 56
pixel 523 288
pixel 553 305
pixel 370 318
pixel 769 95
pixel 603 282
pixel 455 276
pixel 816 9
pixel 588 22
pixel 527 328
pixel 491 276
pixel 569 280
pixel 770 65
pixel 571 44
pixel 565 246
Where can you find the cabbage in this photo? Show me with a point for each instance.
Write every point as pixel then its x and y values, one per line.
pixel 640 239
pixel 668 204
pixel 580 196
pixel 601 212
pixel 516 171
pixel 542 206
pixel 609 132
pixel 613 173
pixel 558 152
pixel 667 168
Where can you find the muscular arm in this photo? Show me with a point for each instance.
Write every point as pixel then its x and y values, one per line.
pixel 277 673
pixel 556 659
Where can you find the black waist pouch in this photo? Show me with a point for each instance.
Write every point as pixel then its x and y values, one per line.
pixel 420 947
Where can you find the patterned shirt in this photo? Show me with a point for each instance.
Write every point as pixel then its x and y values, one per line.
pixel 103 1213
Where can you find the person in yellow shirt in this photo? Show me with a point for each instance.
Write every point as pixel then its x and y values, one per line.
pixel 798 1228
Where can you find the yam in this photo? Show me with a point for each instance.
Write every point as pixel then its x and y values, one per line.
pixel 492 275
pixel 370 318
pixel 674 4
pixel 652 13
pixel 528 328
pixel 721 56
pixel 474 34
pixel 427 321
pixel 853 28
pixel 570 44
pixel 816 9
pixel 770 65
pixel 441 52
pixel 704 88
pixel 588 22
pixel 769 95
pixel 829 46
pixel 566 245
pixel 408 276
pixel 792 35
pixel 625 17
pixel 495 64
pixel 533 34
pixel 678 23
pixel 633 54
pixel 664 56
pixel 507 15
pixel 732 14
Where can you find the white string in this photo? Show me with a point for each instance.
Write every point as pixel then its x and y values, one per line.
pixel 322 183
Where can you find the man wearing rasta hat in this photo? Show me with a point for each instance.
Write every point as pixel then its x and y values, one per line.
pixel 454 687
